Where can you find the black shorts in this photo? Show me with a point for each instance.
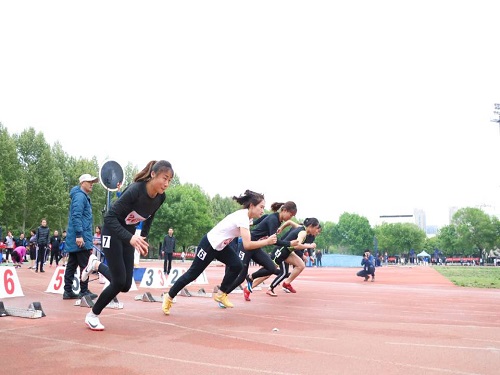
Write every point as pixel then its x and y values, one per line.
pixel 280 254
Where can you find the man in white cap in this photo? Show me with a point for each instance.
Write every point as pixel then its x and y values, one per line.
pixel 79 237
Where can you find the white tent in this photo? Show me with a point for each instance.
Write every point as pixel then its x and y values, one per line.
pixel 423 254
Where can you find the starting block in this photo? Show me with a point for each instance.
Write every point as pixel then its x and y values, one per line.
pixel 34 311
pixel 86 301
pixel 148 297
pixel 200 293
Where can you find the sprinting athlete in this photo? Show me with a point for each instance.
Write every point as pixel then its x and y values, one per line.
pixel 216 244
pixel 283 255
pixel 137 204
pixel 273 223
pixel 301 254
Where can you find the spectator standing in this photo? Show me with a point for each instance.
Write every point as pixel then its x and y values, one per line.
pixel 79 235
pixel 55 252
pixel 183 256
pixel 319 255
pixel 168 248
pixel 97 251
pixel 412 256
pixel 42 243
pixel 22 241
pixel 62 248
pixel 32 249
pixel 436 255
pixel 10 244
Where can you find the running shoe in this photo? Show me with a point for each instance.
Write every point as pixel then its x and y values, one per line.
pixel 289 287
pixel 366 278
pixel 249 284
pixel 93 322
pixel 246 294
pixel 167 304
pixel 271 293
pixel 222 298
pixel 90 267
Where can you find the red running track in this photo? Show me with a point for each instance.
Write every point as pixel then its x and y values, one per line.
pixel 409 321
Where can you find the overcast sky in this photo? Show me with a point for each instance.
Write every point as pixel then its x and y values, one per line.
pixel 367 107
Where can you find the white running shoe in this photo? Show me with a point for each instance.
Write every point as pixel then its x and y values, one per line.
pixel 90 267
pixel 93 322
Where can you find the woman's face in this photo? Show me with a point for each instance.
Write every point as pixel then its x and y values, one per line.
pixel 287 215
pixel 161 181
pixel 254 212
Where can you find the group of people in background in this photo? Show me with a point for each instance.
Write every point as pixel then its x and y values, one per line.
pixel 40 248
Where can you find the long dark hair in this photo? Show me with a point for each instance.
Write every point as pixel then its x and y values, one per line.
pixel 289 206
pixel 248 198
pixel 311 221
pixel 153 166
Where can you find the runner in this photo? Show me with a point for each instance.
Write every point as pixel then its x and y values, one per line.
pixel 216 244
pixel 283 255
pixel 273 223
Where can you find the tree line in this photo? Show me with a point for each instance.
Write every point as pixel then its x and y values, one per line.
pixel 36 177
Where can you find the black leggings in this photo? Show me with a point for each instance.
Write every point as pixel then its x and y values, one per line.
pixel 278 258
pixel 55 255
pixel 119 269
pixel 205 253
pixel 167 263
pixel 40 256
pixel 259 256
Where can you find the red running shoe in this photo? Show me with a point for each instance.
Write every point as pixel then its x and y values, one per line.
pixel 246 294
pixel 289 287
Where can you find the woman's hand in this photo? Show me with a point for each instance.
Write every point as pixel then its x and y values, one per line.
pixel 140 244
pixel 271 240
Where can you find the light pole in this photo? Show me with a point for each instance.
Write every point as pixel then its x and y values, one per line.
pixel 497 112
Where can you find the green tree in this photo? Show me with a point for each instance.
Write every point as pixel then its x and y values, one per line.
pixel 221 207
pixel 475 230
pixel 325 240
pixel 41 184
pixel 187 210
pixel 353 233
pixel 12 182
pixel 431 243
pixel 448 240
pixel 399 238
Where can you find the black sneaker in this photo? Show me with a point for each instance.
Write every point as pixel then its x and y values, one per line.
pixel 70 295
pixel 87 293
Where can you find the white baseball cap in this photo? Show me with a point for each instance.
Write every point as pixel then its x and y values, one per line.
pixel 86 177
